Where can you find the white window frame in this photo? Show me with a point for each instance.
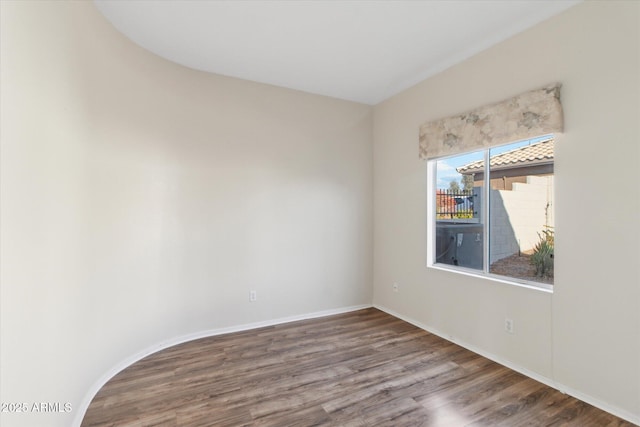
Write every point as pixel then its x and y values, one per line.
pixel 485 207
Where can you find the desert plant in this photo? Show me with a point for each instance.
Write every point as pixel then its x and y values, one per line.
pixel 542 257
pixel 548 235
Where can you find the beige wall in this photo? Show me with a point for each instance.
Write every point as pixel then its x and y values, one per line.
pixel 142 201
pixel 585 336
pixel 519 216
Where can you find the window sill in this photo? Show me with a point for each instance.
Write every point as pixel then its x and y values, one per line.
pixel 536 286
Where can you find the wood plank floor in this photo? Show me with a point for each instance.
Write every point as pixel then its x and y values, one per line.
pixel 364 368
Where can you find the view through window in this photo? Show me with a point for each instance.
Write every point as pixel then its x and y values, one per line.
pixel 507 194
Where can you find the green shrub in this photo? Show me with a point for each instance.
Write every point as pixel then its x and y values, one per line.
pixel 542 257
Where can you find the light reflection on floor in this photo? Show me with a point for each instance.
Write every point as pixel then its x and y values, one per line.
pixel 444 414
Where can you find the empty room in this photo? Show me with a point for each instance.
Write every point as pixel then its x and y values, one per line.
pixel 330 213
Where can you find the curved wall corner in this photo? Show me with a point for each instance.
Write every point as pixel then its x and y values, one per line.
pixel 143 201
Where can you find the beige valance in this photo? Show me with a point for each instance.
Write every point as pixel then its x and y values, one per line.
pixel 528 115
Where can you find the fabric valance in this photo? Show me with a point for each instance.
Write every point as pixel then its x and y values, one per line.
pixel 528 115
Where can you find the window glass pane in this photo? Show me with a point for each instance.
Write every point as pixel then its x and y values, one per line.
pixel 521 210
pixel 459 222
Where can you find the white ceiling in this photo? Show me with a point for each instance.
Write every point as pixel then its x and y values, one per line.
pixel 361 50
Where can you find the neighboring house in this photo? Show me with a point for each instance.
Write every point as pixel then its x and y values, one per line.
pixel 514 166
pixel 522 196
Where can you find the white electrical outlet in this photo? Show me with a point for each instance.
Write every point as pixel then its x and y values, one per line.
pixel 253 295
pixel 396 287
pixel 508 325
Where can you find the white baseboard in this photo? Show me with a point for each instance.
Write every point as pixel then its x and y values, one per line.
pixel 626 415
pixel 84 405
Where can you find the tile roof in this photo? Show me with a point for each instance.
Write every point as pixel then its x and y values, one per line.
pixel 540 152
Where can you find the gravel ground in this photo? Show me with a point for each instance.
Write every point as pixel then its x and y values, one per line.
pixel 520 267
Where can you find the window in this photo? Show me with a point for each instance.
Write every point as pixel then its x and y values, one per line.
pixel 491 212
